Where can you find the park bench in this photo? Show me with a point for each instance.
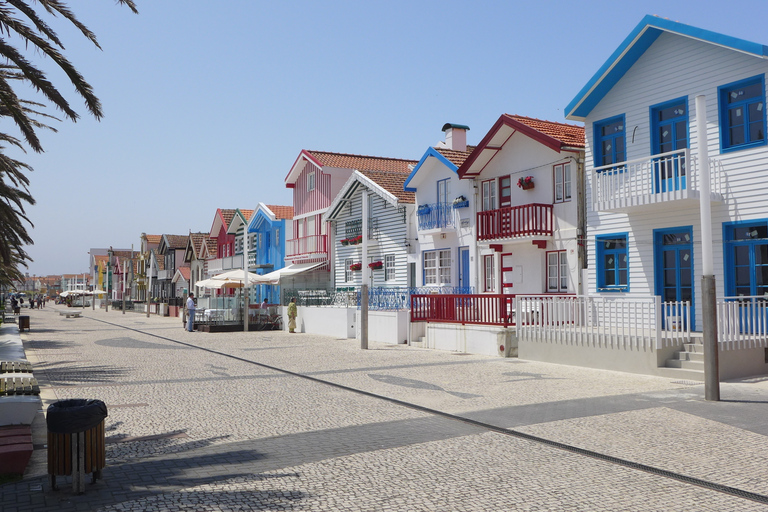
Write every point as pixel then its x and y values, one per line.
pixel 10 386
pixel 15 367
pixel 70 314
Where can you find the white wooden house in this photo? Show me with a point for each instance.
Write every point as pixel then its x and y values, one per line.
pixel 441 256
pixel 645 161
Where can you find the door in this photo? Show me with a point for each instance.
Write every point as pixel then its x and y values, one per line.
pixel 674 274
pixel 464 270
pixel 670 133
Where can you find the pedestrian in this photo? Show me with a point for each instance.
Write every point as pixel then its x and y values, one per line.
pixel 292 315
pixel 191 312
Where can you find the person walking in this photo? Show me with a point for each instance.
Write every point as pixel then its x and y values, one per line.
pixel 292 315
pixel 191 312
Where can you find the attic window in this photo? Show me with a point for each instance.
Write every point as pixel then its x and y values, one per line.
pixel 311 181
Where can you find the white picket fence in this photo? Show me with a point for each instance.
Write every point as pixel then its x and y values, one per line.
pixel 742 322
pixel 637 322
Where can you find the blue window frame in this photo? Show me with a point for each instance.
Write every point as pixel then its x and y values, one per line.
pixel 610 141
pixel 746 258
pixel 742 114
pixel 669 132
pixel 612 262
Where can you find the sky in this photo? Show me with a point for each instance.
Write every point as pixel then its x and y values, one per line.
pixel 208 104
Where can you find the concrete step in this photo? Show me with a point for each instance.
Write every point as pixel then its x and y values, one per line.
pixel 689 356
pixel 687 365
pixel 682 374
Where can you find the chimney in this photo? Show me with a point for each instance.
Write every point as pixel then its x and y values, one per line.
pixel 456 136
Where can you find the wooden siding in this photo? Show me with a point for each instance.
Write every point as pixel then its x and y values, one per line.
pixel 305 201
pixel 675 67
pixel 391 236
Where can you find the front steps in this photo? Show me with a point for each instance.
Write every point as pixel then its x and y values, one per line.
pixel 687 363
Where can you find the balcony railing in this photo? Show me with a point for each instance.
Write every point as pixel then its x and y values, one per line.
pixel 435 216
pixel 497 309
pixel 306 245
pixel 218 265
pixel 654 179
pixel 515 222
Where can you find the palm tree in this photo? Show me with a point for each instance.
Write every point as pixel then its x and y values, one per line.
pixel 22 22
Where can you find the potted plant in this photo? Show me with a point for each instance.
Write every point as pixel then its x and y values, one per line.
pixel 356 266
pixel 376 265
pixel 460 202
pixel 525 183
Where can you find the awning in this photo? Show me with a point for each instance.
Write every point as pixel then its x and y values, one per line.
pixel 290 270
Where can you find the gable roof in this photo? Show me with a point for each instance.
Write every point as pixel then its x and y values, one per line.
pixel 634 46
pixel 450 158
pixel 322 159
pixel 387 185
pixel 556 136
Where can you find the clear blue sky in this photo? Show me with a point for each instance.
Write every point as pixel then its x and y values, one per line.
pixel 207 104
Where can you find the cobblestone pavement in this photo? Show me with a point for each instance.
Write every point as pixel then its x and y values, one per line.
pixel 209 422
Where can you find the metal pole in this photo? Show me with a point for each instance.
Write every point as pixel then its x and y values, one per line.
pixel 364 317
pixel 708 283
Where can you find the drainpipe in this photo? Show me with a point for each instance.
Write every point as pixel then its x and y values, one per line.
pixel 708 284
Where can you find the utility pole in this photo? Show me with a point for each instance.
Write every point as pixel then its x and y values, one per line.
pixel 708 284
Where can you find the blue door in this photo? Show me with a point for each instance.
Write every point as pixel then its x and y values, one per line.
pixel 464 269
pixel 673 253
pixel 669 132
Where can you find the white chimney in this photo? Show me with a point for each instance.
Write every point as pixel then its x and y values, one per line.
pixel 456 136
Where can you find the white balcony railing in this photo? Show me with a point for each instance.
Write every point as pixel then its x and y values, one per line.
pixel 218 265
pixel 654 179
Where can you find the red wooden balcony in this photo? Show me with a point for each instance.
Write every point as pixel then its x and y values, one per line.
pixel 515 222
pixel 497 309
pixel 307 246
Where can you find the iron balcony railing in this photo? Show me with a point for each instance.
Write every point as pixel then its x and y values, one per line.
pixel 435 216
pixel 527 220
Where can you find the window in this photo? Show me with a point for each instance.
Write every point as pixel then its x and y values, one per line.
pixel 489 195
pixel 612 263
pixel 742 113
pixel 348 274
pixel 557 272
pixel 746 258
pixel 490 273
pixel 562 183
pixel 443 191
pixel 389 267
pixel 610 143
pixel 437 267
pixel 311 181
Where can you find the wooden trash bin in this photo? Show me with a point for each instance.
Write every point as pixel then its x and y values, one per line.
pixel 80 451
pixel 23 322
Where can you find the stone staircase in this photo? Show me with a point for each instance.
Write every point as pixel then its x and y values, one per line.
pixel 687 363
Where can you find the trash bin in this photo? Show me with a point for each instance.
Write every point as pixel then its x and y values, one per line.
pixel 24 322
pixel 76 443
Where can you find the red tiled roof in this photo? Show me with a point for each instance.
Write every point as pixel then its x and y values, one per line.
pixel 568 134
pixel 456 157
pixel 176 241
pixel 281 212
pixel 362 163
pixel 393 183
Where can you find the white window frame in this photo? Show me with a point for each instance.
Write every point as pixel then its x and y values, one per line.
pixel 557 272
pixel 390 271
pixel 563 189
pixel 489 273
pixel 489 195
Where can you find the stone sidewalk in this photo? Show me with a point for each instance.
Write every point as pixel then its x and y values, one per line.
pixel 278 421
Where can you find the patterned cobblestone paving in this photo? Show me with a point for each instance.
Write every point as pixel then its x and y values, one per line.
pixel 192 429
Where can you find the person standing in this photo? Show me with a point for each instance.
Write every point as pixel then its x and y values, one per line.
pixel 292 315
pixel 191 311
